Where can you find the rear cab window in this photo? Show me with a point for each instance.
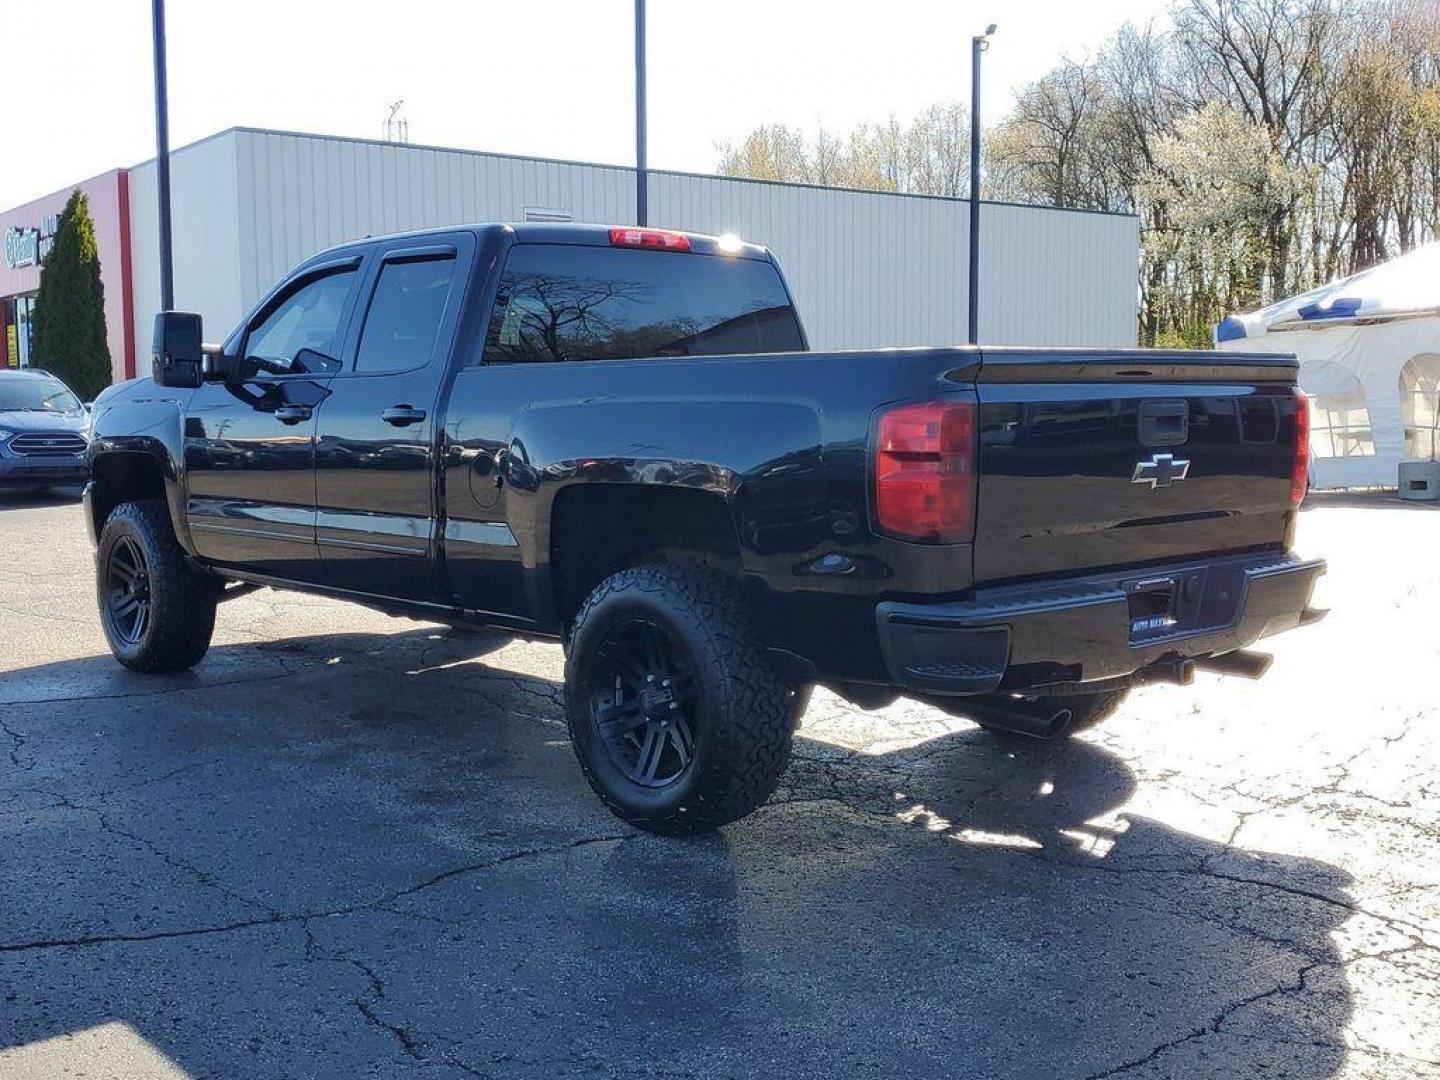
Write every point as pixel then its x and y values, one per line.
pixel 574 302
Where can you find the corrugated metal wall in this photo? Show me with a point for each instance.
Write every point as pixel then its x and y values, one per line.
pixel 299 194
pixel 205 226
pixel 867 269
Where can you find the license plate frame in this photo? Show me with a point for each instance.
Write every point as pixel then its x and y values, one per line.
pixel 1151 607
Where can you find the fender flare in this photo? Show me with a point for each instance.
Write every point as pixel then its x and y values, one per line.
pixel 151 430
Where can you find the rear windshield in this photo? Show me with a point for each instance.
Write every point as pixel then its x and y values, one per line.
pixel 570 302
pixel 36 395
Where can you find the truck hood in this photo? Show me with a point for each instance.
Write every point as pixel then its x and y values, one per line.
pixel 122 391
pixel 39 420
pixel 143 390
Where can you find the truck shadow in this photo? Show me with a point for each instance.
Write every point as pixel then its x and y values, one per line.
pixel 345 837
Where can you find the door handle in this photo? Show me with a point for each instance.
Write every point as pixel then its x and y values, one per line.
pixel 292 414
pixel 402 415
pixel 1164 423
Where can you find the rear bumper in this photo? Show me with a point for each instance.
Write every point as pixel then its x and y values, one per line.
pixel 1087 629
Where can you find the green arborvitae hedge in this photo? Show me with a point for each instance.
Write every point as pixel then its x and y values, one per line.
pixel 70 306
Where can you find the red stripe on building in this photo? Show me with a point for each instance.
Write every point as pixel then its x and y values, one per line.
pixel 127 291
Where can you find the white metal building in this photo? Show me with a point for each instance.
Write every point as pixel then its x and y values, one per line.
pixel 867 269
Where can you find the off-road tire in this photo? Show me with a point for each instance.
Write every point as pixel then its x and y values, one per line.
pixel 1086 711
pixel 182 599
pixel 744 710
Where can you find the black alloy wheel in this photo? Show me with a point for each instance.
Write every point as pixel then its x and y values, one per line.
pixel 157 609
pixel 641 689
pixel 127 591
pixel 678 719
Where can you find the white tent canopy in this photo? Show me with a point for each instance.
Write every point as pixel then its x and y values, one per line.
pixel 1369 352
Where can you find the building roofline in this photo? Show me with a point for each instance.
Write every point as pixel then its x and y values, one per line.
pixel 630 169
pixel 193 145
pixel 804 186
pixel 63 190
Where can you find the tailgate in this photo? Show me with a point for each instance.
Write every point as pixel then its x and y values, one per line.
pixel 1091 461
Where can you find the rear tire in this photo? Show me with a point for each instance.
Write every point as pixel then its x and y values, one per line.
pixel 1086 711
pixel 158 611
pixel 678 719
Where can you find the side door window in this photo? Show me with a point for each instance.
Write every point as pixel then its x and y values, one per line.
pixel 309 317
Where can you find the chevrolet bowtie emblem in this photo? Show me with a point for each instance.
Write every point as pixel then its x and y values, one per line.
pixel 1161 470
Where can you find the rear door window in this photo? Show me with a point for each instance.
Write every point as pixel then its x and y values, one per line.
pixel 404 316
pixel 571 302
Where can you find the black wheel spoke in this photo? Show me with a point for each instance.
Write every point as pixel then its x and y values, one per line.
pixel 679 736
pixel 621 716
pixel 616 710
pixel 629 670
pixel 650 752
pixel 128 591
pixel 640 708
pixel 122 559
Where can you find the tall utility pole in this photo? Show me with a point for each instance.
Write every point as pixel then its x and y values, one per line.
pixel 162 155
pixel 642 176
pixel 978 44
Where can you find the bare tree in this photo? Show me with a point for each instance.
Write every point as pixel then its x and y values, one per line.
pixel 1051 140
pixel 1265 145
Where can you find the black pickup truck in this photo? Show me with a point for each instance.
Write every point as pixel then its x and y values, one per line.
pixel 617 438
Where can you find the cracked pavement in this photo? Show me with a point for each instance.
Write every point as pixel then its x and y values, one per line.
pixel 349 846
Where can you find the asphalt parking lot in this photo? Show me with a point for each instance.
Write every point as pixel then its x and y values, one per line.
pixel 351 846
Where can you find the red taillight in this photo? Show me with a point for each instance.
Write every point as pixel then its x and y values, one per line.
pixel 655 239
pixel 925 471
pixel 1300 476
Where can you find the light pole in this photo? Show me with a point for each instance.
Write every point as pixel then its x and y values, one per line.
pixel 162 154
pixel 642 178
pixel 978 44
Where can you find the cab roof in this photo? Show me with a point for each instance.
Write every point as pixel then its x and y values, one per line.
pixel 589 235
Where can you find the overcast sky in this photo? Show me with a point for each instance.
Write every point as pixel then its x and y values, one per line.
pixel 545 77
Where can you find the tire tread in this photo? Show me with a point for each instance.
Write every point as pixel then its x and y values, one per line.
pixel 183 599
pixel 759 711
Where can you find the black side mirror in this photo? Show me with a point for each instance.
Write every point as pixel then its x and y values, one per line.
pixel 175 349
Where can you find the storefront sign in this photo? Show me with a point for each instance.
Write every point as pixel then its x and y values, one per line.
pixel 27 247
pixel 22 247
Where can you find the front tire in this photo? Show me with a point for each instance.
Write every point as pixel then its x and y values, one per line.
pixel 679 721
pixel 158 612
